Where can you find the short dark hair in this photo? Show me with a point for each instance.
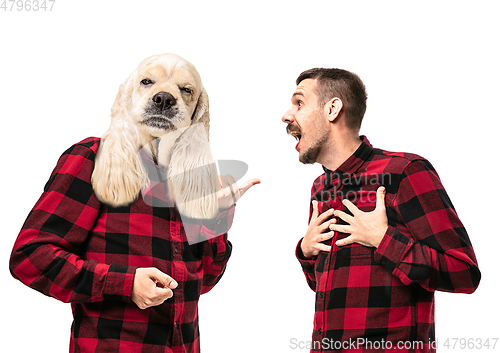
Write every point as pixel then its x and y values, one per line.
pixel 342 84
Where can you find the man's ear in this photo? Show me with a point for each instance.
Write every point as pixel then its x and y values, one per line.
pixel 333 108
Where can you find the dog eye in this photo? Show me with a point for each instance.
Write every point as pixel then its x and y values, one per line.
pixel 186 90
pixel 146 82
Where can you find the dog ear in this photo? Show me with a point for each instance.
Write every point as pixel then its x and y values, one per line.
pixel 118 172
pixel 193 174
pixel 201 113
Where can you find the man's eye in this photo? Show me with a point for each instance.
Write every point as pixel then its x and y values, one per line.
pixel 147 82
pixel 186 90
pixel 300 103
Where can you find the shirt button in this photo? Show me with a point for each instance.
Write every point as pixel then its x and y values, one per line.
pixel 320 332
pixel 176 250
pixel 320 295
pixel 175 324
pixel 218 222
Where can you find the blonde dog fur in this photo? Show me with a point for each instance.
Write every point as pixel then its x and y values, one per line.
pixel 183 129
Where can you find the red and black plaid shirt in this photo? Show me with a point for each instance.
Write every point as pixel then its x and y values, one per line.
pixel 386 294
pixel 78 250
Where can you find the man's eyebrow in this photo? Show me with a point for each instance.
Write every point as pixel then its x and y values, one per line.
pixel 298 94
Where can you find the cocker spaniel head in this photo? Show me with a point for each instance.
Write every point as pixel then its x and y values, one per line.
pixel 162 97
pixel 165 93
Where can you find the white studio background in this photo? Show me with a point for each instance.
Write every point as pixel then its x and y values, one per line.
pixel 431 71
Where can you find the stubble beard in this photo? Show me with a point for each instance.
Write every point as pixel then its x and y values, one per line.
pixel 310 156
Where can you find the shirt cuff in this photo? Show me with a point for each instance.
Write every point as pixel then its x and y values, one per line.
pixel 119 282
pixel 222 223
pixel 198 230
pixel 307 264
pixel 222 249
pixel 392 248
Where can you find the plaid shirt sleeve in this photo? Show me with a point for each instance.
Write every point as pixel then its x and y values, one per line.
pixel 212 234
pixel 45 253
pixel 217 248
pixel 433 248
pixel 307 266
pixel 215 258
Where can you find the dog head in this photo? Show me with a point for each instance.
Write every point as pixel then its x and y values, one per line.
pixel 163 94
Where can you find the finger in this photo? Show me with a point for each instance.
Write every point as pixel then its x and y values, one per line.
pixel 344 216
pixel 223 182
pixel 328 213
pixel 326 236
pixel 247 185
pixel 165 279
pixel 323 226
pixel 162 294
pixel 345 241
pixel 350 206
pixel 341 228
pixel 235 192
pixel 380 198
pixel 323 247
pixel 314 214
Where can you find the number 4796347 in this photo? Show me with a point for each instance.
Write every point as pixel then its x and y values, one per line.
pixel 470 343
pixel 27 5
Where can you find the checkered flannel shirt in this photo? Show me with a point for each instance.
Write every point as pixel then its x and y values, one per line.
pixel 78 250
pixel 366 294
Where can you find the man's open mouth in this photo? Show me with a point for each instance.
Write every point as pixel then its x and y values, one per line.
pixel 295 132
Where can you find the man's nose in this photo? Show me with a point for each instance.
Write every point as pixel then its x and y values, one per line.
pixel 288 117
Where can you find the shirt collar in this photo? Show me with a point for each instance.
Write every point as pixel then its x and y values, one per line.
pixel 352 164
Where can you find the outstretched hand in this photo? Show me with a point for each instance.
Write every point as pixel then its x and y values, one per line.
pixel 230 193
pixel 365 228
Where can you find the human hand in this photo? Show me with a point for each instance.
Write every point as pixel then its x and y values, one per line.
pixel 230 193
pixel 312 243
pixel 365 228
pixel 151 287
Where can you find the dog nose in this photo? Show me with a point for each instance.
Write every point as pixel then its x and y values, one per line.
pixel 164 100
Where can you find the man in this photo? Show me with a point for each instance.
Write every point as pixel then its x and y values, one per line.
pixel 374 269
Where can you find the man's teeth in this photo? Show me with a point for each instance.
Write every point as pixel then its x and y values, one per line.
pixel 296 135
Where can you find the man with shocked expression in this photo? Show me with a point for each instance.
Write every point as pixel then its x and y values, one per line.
pixel 383 234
